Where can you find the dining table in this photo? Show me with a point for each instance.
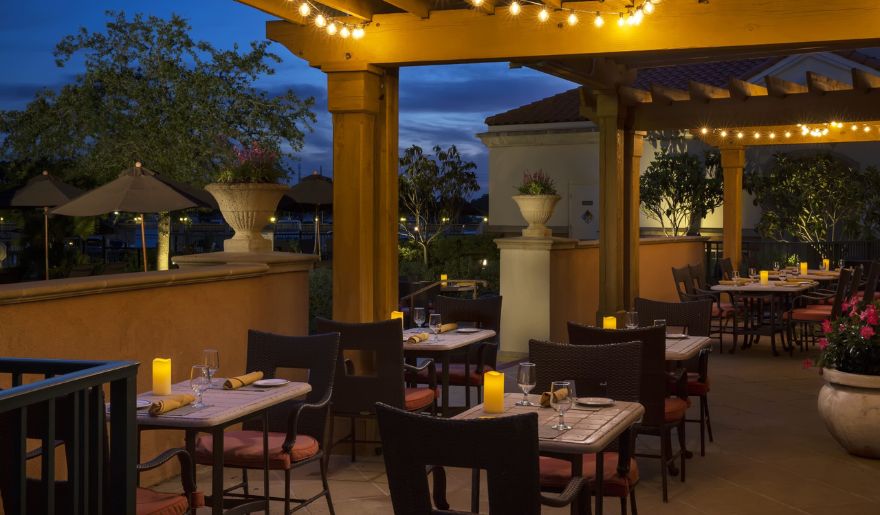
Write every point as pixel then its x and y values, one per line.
pixel 223 408
pixel 594 428
pixel 685 347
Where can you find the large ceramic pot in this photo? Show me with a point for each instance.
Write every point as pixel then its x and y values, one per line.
pixel 536 209
pixel 247 208
pixel 850 406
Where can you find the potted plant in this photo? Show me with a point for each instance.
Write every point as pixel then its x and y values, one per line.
pixel 248 193
pixel 536 200
pixel 849 402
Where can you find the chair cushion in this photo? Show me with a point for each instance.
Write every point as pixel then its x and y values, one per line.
pixel 808 315
pixel 418 398
pixel 456 374
pixel 674 409
pixel 723 309
pixel 245 449
pixel 556 473
pixel 151 502
pixel 696 387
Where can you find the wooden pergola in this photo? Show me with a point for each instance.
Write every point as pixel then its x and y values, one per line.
pixel 362 84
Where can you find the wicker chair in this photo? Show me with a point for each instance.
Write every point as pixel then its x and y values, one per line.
pixel 808 316
pixel 690 285
pixel 869 293
pixel 296 428
pixel 614 371
pixel 695 316
pixel 726 266
pixel 380 344
pixel 506 447
pixel 662 413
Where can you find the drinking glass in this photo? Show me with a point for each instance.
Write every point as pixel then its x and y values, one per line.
pixel 212 363
pixel 525 378
pixel 198 381
pixel 776 266
pixel 419 317
pixel 434 323
pixel 840 264
pixel 632 319
pixel 566 391
pixel 753 273
pixel 659 321
pixel 735 275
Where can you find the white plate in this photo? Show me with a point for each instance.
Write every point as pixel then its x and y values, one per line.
pixel 467 330
pixel 141 404
pixel 678 336
pixel 271 382
pixel 595 401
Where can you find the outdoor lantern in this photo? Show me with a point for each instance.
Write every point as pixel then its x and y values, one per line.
pixel 162 376
pixel 803 268
pixel 765 277
pixel 493 392
pixel 826 264
pixel 609 322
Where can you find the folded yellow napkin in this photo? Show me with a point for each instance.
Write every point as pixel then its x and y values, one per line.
pixel 824 272
pixel 238 381
pixel 795 280
pixel 738 282
pixel 170 402
pixel 445 328
pixel 560 394
pixel 418 338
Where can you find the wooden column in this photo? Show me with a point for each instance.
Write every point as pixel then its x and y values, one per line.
pixel 364 108
pixel 733 160
pixel 633 146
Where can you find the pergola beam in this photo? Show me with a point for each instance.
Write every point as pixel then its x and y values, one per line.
pixel 363 9
pixel 486 7
pixel 419 8
pixel 781 88
pixel 820 84
pixel 284 10
pixel 845 134
pixel 864 81
pixel 706 92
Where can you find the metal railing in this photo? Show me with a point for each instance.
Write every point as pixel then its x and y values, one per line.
pixel 67 406
pixel 451 285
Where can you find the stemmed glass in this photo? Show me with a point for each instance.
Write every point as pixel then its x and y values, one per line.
pixel 659 321
pixel 561 398
pixel 632 319
pixel 434 323
pixel 212 363
pixel 776 266
pixel 840 264
pixel 753 273
pixel 525 378
pixel 419 316
pixel 198 381
pixel 735 275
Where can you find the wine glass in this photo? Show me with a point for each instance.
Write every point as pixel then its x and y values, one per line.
pixel 198 381
pixel 434 323
pixel 212 363
pixel 753 273
pixel 735 275
pixel 525 378
pixel 632 319
pixel 561 398
pixel 419 316
pixel 776 266
pixel 840 264
pixel 659 322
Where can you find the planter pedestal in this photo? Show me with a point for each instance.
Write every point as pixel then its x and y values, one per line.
pixel 850 406
pixel 247 208
pixel 536 209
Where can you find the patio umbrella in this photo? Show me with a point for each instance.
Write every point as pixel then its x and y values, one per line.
pixel 315 190
pixel 137 190
pixel 43 191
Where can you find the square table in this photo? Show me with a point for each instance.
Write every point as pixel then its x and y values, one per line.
pixel 593 429
pixel 223 409
pixel 683 349
pixel 441 349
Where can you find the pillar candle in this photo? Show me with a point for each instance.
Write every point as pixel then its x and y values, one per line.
pixel 398 314
pixel 765 277
pixel 443 277
pixel 162 376
pixel 826 264
pixel 493 392
pixel 609 322
pixel 804 268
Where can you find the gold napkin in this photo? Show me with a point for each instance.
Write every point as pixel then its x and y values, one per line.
pixel 824 272
pixel 739 282
pixel 238 381
pixel 169 403
pixel 418 338
pixel 445 328
pixel 795 280
pixel 560 394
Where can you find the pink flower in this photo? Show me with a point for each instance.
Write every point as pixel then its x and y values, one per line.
pixel 870 315
pixel 808 363
pixel 867 332
pixel 823 343
pixel 826 326
pixel 845 305
pixel 841 328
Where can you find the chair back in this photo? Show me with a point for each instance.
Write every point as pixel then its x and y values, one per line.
pixel 653 387
pixel 684 283
pixel 726 268
pixel 269 352
pixel 855 282
pixel 698 276
pixel 696 315
pixel 843 286
pixel 870 284
pixel 379 346
pixel 617 365
pixel 484 312
pixel 505 447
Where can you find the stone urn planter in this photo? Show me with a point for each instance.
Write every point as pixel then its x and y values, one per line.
pixel 247 208
pixel 850 406
pixel 536 209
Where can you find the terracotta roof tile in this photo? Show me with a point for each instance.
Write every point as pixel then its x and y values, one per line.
pixel 564 107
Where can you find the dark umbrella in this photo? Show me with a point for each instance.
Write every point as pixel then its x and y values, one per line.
pixel 315 190
pixel 43 191
pixel 137 190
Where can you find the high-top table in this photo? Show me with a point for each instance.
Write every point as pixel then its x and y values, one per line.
pixel 593 429
pixel 223 409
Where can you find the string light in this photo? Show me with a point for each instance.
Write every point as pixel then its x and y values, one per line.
pixel 304 9
pixel 787 134
pixel 772 135
pixel 723 134
pixel 740 135
pixel 572 19
pixel 326 22
pixel 515 8
pixel 477 3
pixel 543 15
pixel 818 130
pixel 320 21
pixel 357 33
pixel 332 28
pixel 757 135
pixel 649 7
pixel 704 130
pixel 344 32
pixel 598 21
pixel 620 20
pixel 854 128
pixel 638 16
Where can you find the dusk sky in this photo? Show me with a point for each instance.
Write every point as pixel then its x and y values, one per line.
pixel 438 104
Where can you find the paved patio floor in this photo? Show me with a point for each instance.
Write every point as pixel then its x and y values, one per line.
pixel 771 456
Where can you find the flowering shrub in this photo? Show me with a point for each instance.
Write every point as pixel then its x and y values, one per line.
pixel 851 343
pixel 536 183
pixel 254 163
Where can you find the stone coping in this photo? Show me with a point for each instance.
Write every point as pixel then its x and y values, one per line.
pixel 278 262
pixel 524 242
pixel 650 240
pixel 35 291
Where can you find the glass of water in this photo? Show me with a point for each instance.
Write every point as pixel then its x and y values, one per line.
pixel 198 381
pixel 525 378
pixel 434 323
pixel 659 322
pixel 212 363
pixel 561 398
pixel 632 319
pixel 419 316
pixel 753 273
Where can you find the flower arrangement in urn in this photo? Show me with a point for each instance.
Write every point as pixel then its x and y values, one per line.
pixel 849 402
pixel 536 200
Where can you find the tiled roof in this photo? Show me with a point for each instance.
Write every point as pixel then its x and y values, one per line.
pixel 564 107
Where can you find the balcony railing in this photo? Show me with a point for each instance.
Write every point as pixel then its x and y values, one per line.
pixel 66 406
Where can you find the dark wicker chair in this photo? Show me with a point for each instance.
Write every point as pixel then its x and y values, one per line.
pixel 808 316
pixel 662 413
pixel 690 285
pixel 614 371
pixel 380 346
pixel 726 266
pixel 296 428
pixel 695 316
pixel 505 447
pixel 867 296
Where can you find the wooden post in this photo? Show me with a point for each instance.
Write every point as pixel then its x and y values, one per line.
pixel 733 160
pixel 633 145
pixel 364 108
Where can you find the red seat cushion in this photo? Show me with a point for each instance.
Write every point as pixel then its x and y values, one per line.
pixel 556 473
pixel 808 315
pixel 674 409
pixel 418 398
pixel 724 309
pixel 696 387
pixel 245 449
pixel 456 374
pixel 151 502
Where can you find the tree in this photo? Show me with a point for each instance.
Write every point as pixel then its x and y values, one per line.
pixel 432 192
pixel 679 190
pixel 151 93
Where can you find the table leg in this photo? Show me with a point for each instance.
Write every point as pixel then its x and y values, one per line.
pixel 190 439
pixel 217 473
pixel 475 490
pixel 600 476
pixel 467 377
pixel 266 457
pixel 444 380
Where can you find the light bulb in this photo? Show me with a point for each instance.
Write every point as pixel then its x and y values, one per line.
pixel 620 20
pixel 543 15
pixel 515 8
pixel 630 19
pixel 478 3
pixel 740 135
pixel 332 28
pixel 598 20
pixel 357 33
pixel 854 128
pixel 787 134
pixel 304 9
pixel 320 21
pixel 772 135
pixel 704 130
pixel 867 129
pixel 648 7
pixel 723 134
pixel 344 32
pixel 572 19
pixel 757 135
pixel 638 16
